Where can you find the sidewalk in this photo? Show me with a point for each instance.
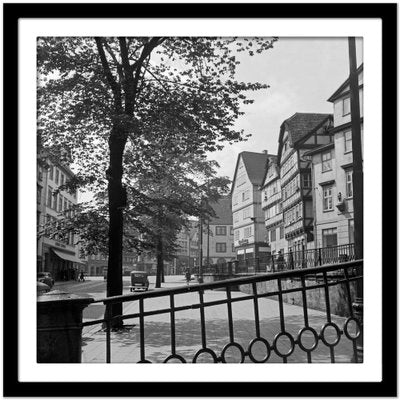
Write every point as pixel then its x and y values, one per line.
pixel 125 344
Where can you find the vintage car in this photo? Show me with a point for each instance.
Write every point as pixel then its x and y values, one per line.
pixel 139 281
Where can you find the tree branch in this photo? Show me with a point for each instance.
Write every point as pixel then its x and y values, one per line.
pixel 115 87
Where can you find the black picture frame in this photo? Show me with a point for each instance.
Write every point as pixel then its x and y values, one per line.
pixel 12 386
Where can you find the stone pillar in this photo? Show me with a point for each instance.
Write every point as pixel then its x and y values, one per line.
pixel 59 327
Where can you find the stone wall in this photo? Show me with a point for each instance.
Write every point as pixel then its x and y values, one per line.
pixel 315 297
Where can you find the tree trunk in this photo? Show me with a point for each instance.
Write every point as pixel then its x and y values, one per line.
pixel 117 201
pixel 160 262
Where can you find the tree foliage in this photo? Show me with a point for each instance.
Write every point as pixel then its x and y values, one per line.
pixel 126 109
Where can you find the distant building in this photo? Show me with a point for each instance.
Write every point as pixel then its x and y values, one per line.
pixel 187 253
pixel 299 133
pixel 333 174
pixel 58 255
pixel 271 202
pixel 248 216
pixel 98 263
pixel 218 243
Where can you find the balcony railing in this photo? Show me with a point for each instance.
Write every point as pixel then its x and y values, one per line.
pixel 263 335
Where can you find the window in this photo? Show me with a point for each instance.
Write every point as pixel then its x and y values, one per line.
pixel 247 232
pixel 57 175
pixel 235 199
pixel 346 106
pixel 282 232
pixel 307 184
pixel 351 230
pixel 231 231
pixel 233 248
pixel 349 183
pixel 246 213
pixel 60 203
pixel 329 237
pixel 348 144
pixel 51 172
pixel 39 194
pixel 220 230
pixel 273 235
pixel 327 194
pixel 237 234
pixel 54 204
pixel 49 196
pixel 62 179
pixel 245 195
pixel 236 217
pixel 326 161
pixel 220 247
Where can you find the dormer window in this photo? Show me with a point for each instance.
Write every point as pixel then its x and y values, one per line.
pixel 346 106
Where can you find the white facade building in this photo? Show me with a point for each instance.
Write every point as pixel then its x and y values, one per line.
pixel 248 216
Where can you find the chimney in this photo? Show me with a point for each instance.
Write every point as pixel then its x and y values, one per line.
pixel 265 152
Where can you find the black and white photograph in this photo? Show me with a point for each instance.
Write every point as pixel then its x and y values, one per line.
pixel 201 199
pixel 223 171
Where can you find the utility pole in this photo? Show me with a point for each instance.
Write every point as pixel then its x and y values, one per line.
pixel 200 279
pixel 358 185
pixel 208 242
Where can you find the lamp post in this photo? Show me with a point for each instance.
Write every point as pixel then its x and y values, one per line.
pixel 357 183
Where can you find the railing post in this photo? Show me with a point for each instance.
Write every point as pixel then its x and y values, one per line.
pixel 272 264
pixel 303 256
pixel 358 314
pixel 319 256
pixel 59 327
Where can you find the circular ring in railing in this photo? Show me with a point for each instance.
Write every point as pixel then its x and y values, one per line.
pixel 174 357
pixel 347 332
pixel 205 350
pixel 292 344
pixel 229 345
pixel 144 362
pixel 300 339
pixel 323 334
pixel 267 346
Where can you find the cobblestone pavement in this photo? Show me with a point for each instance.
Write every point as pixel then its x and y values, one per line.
pixel 125 344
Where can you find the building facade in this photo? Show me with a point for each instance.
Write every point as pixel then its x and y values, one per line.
pixel 248 216
pixel 218 244
pixel 187 254
pixel 299 133
pixel 333 174
pixel 271 202
pixel 57 254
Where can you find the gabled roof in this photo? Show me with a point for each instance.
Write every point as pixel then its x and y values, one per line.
pixel 299 126
pixel 272 159
pixel 223 211
pixel 339 91
pixel 255 166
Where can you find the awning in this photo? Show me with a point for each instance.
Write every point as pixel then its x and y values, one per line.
pixel 67 256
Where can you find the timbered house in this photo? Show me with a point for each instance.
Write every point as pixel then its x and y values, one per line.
pixel 271 202
pixel 299 133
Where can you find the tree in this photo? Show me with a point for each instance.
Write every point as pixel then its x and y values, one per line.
pixel 98 93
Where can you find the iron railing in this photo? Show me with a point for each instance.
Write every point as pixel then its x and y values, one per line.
pixel 283 262
pixel 321 337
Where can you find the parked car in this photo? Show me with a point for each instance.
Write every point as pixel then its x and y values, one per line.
pixel 46 278
pixel 41 288
pixel 139 281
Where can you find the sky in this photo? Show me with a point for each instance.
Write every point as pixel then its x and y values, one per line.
pixel 302 73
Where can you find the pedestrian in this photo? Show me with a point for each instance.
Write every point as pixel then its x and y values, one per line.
pixel 280 261
pixel 187 276
pixel 82 277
